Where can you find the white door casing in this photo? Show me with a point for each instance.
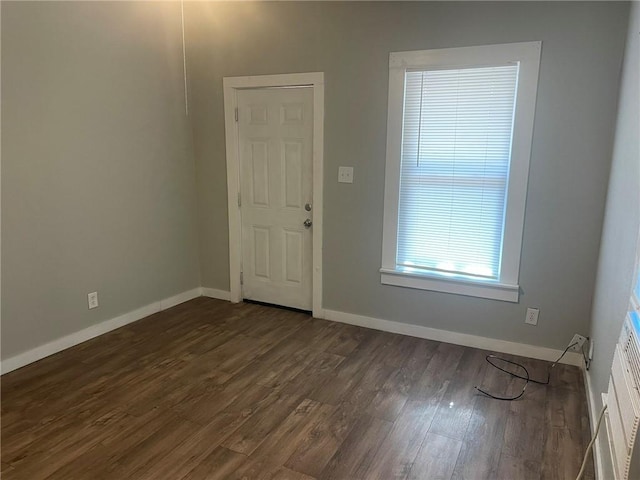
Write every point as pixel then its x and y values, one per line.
pixel 275 127
pixel 233 86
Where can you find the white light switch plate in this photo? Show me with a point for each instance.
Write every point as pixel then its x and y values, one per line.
pixel 345 174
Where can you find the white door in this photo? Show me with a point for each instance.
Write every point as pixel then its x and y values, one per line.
pixel 275 128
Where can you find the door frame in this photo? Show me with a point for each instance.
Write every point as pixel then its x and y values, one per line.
pixel 231 85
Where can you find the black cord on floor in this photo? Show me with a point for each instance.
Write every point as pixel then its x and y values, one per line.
pixel 526 378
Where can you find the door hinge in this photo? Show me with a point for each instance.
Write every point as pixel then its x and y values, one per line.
pixel 241 278
pixel 239 200
pixel 236 114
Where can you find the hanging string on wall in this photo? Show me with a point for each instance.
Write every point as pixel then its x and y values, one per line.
pixel 184 60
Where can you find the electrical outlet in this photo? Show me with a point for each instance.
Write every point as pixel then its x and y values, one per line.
pixel 345 174
pixel 532 316
pixel 92 299
pixel 577 342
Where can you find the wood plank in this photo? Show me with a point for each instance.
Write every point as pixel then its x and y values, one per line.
pixel 350 372
pixel 535 398
pixel 526 426
pixel 562 454
pixel 456 406
pixel 314 374
pixel 183 457
pixel 318 333
pixel 283 363
pixel 253 432
pixel 234 354
pixel 566 376
pixel 436 458
pixel 81 457
pixel 392 396
pixel 585 434
pixel 326 436
pixel 348 338
pixel 400 447
pixel 355 455
pixel 524 437
pixel 217 466
pixel 483 441
pixel 285 474
pixel 203 408
pixel 359 397
pixel 275 324
pixel 562 408
pixel 282 441
pixel 439 371
pixel 17 442
pixel 134 461
pixel 516 468
pixel 484 436
pixel 393 351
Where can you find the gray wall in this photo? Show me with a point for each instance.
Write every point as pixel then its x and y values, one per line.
pixel 621 222
pixel 350 42
pixel 99 184
pixel 98 179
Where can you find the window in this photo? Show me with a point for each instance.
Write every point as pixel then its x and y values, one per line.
pixel 458 145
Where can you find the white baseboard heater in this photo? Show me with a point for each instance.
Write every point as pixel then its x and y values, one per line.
pixel 623 401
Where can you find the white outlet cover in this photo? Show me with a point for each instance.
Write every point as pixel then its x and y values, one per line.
pixel 532 316
pixel 92 300
pixel 345 174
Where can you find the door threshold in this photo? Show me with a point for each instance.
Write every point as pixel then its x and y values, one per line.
pixel 273 305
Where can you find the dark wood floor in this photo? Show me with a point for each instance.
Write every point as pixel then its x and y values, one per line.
pixel 211 390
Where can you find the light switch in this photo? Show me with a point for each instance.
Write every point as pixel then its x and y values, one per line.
pixel 345 174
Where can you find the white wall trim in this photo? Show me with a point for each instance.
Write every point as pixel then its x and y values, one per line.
pixel 93 331
pixel 215 293
pixel 230 87
pixel 485 343
pixel 593 419
pixel 460 286
pixel 179 298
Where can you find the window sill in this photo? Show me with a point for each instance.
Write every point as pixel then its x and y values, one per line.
pixel 459 286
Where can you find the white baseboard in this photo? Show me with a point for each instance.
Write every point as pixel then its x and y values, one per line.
pixel 93 331
pixel 180 298
pixel 593 419
pixel 215 293
pixel 485 343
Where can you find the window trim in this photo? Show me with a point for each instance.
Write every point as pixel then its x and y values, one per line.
pixel 528 55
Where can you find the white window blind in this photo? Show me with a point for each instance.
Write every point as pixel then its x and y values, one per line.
pixel 456 149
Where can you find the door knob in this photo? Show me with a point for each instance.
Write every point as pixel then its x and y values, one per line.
pixel 307 223
pixel 307 207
